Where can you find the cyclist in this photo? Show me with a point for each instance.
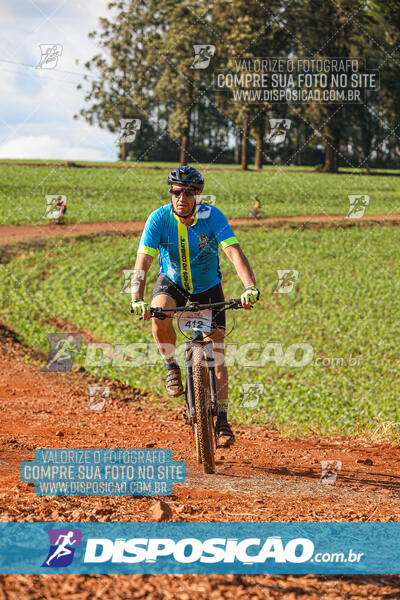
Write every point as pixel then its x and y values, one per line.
pixel 187 233
pixel 255 208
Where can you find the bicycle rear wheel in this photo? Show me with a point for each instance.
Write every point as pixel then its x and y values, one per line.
pixel 203 427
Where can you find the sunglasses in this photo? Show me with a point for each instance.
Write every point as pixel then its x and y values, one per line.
pixel 187 193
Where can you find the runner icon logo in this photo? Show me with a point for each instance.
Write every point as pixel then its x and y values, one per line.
pixel 132 279
pixel 202 55
pixel 204 204
pixel 97 397
pixel 286 280
pixel 54 206
pixel 357 205
pixel 329 471
pixel 63 348
pixel 129 129
pixel 61 552
pixel 278 130
pixel 252 394
pixel 50 53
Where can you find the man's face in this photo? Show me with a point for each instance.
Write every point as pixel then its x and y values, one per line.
pixel 183 202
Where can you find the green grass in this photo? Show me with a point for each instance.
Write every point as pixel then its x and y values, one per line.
pixel 130 194
pixel 345 304
pixel 134 164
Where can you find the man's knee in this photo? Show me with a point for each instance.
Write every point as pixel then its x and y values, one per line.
pixel 162 301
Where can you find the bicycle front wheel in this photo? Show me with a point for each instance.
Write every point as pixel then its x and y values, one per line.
pixel 203 428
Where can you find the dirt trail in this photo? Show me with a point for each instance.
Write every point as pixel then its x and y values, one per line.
pixel 264 478
pixel 17 233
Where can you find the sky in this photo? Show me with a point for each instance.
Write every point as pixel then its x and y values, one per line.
pixel 37 104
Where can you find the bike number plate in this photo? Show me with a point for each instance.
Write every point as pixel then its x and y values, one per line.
pixel 196 321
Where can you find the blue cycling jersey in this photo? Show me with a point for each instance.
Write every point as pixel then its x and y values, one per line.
pixel 188 255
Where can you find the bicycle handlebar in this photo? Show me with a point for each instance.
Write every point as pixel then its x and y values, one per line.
pixel 196 306
pixel 160 313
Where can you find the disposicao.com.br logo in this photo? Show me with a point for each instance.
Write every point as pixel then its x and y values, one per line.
pixel 190 550
pixel 165 554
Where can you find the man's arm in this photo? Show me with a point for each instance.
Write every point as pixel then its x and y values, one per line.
pixel 142 265
pixel 149 242
pixel 245 273
pixel 148 245
pixel 241 264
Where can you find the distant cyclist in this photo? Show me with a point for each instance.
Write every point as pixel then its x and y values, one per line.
pixel 255 208
pixel 187 234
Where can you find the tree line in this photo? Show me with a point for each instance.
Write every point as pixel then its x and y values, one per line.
pixel 144 70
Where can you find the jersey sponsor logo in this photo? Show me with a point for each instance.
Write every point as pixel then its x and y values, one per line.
pixel 184 258
pixel 185 275
pixel 203 240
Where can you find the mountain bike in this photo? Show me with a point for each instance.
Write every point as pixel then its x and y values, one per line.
pixel 255 213
pixel 201 385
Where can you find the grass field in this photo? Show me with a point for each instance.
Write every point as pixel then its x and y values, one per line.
pixel 344 306
pixel 121 195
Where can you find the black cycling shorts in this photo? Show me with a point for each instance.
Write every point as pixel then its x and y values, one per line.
pixel 164 285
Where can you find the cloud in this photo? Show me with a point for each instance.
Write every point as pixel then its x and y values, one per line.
pixel 44 146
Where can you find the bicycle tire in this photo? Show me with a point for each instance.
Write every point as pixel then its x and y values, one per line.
pixel 210 416
pixel 198 455
pixel 202 430
pixel 210 421
pixel 198 451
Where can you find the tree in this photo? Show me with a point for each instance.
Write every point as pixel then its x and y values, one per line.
pixel 330 30
pixel 387 34
pixel 120 69
pixel 180 84
pixel 248 30
pixel 145 70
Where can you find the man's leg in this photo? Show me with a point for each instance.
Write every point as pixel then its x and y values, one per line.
pixel 163 330
pixel 165 338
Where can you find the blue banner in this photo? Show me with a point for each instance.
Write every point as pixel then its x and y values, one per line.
pixel 195 548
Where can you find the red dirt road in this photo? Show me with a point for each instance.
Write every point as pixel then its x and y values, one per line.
pixel 264 478
pixel 16 233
